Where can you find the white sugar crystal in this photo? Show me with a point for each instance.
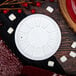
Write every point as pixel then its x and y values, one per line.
pixel 10 30
pixel 73 45
pixel 51 63
pixel 50 9
pixel 12 17
pixel 72 54
pixel 63 59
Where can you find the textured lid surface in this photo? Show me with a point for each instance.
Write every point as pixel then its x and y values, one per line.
pixel 37 37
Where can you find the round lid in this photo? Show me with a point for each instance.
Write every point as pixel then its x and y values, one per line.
pixel 37 37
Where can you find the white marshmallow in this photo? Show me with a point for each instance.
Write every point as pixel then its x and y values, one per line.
pixel 12 17
pixel 54 75
pixel 73 45
pixel 63 59
pixel 51 63
pixel 50 9
pixel 10 30
pixel 72 54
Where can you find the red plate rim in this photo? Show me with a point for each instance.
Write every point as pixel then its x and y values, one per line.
pixel 70 10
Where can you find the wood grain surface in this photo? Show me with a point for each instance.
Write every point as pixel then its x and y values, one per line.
pixel 68 36
pixel 71 23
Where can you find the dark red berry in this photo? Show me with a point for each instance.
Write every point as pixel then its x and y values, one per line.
pixel 38 4
pixel 33 11
pixel 25 4
pixel 19 11
pixel 5 11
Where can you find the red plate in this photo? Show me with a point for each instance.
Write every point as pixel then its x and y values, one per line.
pixel 71 7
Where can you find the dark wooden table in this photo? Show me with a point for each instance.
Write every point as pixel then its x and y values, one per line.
pixel 68 36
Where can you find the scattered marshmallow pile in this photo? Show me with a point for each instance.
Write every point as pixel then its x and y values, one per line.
pixel 71 54
pixel 64 58
pixel 11 17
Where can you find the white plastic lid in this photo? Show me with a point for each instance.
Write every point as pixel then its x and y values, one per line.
pixel 37 37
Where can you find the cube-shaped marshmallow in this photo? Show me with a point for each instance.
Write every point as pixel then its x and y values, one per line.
pixel 72 54
pixel 51 63
pixel 73 45
pixel 50 9
pixel 10 30
pixel 63 59
pixel 12 17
